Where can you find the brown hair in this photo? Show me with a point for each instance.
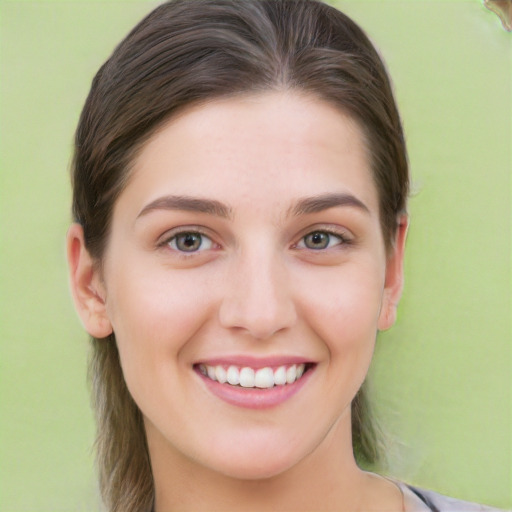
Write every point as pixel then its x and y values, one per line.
pixel 187 52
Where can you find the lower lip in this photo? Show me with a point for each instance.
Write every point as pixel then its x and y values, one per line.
pixel 255 398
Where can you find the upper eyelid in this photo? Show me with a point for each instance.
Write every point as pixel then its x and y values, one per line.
pixel 173 243
pixel 341 232
pixel 338 231
pixel 345 236
pixel 168 235
pixel 301 241
pixel 167 239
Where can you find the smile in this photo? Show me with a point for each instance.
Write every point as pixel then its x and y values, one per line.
pixel 247 377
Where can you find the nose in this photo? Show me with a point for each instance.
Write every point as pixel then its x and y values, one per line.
pixel 258 298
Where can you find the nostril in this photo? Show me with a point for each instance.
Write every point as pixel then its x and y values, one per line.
pixel 258 298
pixel 258 324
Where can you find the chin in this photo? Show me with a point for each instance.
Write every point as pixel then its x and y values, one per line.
pixel 256 470
pixel 256 462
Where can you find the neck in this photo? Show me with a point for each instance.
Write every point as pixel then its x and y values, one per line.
pixel 327 478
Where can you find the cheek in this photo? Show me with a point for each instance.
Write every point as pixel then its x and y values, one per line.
pixel 343 314
pixel 154 314
pixel 344 310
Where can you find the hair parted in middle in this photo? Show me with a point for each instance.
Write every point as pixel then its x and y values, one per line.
pixel 183 54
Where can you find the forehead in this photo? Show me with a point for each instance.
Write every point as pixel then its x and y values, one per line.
pixel 262 147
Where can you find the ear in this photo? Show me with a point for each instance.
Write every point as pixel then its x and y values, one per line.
pixel 394 277
pixel 86 285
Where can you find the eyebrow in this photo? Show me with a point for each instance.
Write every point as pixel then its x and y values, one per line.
pixel 191 204
pixel 320 203
pixel 304 206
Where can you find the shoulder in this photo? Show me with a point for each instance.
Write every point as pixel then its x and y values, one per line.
pixel 419 500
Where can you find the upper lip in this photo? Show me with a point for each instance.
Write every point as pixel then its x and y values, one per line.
pixel 254 362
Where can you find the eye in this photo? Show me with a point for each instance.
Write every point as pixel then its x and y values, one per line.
pixel 190 242
pixel 318 240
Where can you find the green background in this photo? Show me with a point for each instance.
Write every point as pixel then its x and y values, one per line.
pixel 441 377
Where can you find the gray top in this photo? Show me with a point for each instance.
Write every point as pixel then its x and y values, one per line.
pixel 422 500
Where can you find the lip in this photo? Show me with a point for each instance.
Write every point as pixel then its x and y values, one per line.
pixel 255 398
pixel 254 362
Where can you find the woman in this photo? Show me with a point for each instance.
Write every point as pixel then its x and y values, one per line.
pixel 240 184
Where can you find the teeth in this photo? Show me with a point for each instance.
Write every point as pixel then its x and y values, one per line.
pixel 211 372
pixel 264 378
pixel 247 377
pixel 291 374
pixel 220 374
pixel 233 375
pixel 280 376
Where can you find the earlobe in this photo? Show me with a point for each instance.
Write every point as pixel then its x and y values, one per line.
pixel 394 277
pixel 86 285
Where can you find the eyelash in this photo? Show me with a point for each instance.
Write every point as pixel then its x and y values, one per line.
pixel 172 239
pixel 343 239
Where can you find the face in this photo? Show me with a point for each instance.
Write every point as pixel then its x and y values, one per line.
pixel 245 279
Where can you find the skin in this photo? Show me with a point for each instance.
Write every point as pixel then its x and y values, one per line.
pixel 253 288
